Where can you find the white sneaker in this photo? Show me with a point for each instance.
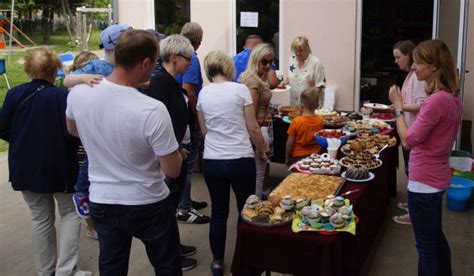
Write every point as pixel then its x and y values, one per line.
pixel 82 273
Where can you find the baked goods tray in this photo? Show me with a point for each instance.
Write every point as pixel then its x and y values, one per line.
pixel 265 223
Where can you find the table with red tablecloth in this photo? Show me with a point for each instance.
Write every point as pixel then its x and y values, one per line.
pixel 310 253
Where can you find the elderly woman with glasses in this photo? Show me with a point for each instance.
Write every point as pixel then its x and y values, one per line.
pixel 255 78
pixel 304 71
pixel 176 52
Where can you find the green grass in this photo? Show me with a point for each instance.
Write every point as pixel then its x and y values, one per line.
pixel 15 70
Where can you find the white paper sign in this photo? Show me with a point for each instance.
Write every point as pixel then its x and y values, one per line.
pixel 249 19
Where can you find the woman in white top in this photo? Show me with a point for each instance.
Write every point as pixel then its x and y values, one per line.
pixel 304 71
pixel 414 93
pixel 227 120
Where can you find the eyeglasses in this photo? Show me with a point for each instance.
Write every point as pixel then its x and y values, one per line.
pixel 185 57
pixel 265 62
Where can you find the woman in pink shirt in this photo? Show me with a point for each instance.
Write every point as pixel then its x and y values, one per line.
pixel 431 139
pixel 414 93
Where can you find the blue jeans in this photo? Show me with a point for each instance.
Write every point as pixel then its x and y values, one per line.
pixel 220 175
pixel 177 185
pixel 185 201
pixel 154 224
pixel 82 183
pixel 434 255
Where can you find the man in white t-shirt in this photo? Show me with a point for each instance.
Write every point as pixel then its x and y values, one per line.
pixel 131 146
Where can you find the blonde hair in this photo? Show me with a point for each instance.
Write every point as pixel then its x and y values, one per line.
pixel 175 44
pixel 42 63
pixel 310 98
pixel 258 53
pixel 193 32
pixel 436 53
pixel 81 60
pixel 218 63
pixel 300 42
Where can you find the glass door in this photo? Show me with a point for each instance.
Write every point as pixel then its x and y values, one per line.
pixel 450 25
pixel 260 18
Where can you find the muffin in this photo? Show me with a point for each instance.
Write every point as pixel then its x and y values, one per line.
pixel 287 203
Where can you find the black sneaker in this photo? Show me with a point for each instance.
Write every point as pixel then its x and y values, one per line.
pixel 188 263
pixel 217 268
pixel 192 217
pixel 187 250
pixel 198 205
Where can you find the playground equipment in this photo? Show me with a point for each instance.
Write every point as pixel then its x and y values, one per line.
pixel 5 25
pixel 82 33
pixel 3 72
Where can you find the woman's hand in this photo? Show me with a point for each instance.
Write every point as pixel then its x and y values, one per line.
pixel 91 80
pixel 283 83
pixel 184 153
pixel 395 97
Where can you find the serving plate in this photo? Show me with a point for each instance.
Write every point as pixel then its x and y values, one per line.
pixel 371 176
pixel 343 162
pixel 264 222
pixel 377 106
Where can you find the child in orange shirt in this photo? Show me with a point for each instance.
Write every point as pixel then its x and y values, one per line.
pixel 301 142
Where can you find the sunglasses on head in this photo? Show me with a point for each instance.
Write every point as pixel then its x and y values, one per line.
pixel 265 62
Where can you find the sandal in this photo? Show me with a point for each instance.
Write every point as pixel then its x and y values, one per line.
pixel 403 219
pixel 403 206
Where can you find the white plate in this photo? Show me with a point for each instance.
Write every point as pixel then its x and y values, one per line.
pixel 371 176
pixel 376 106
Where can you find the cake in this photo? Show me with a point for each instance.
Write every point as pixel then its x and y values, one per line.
pixel 357 172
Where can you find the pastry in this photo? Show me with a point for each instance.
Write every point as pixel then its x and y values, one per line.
pixel 252 201
pixel 310 186
pixel 275 218
pixel 250 214
pixel 264 208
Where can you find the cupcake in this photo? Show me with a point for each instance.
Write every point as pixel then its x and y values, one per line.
pixel 252 201
pixel 326 213
pixel 287 203
pixel 313 217
pixel 317 202
pixel 300 203
pixel 346 212
pixel 337 221
pixel 338 202
pixel 306 211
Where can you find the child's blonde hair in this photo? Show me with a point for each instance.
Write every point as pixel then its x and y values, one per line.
pixel 81 60
pixel 310 98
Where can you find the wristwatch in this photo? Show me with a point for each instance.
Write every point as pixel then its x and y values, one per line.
pixel 398 113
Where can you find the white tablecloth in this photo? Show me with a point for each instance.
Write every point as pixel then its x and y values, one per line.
pixel 281 96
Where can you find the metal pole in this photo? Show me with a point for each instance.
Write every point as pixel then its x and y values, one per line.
pixel 115 14
pixel 462 49
pixel 11 31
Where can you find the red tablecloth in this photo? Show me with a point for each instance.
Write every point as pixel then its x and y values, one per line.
pixel 310 253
